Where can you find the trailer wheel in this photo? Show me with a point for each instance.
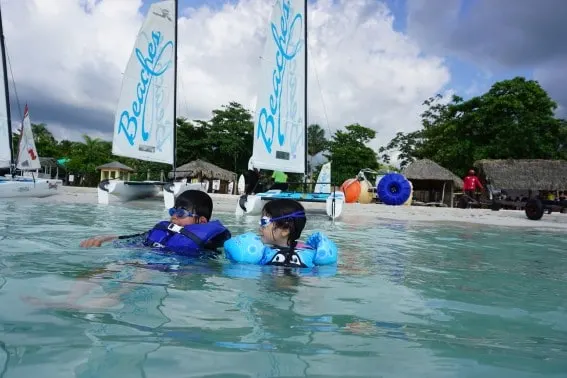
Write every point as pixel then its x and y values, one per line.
pixel 534 209
pixel 495 206
pixel 463 203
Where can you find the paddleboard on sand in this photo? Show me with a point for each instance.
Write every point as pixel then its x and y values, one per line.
pixel 241 185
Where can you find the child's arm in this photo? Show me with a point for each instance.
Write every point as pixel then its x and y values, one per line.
pixel 96 241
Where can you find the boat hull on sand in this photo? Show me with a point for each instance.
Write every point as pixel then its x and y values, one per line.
pixel 116 191
pixel 253 204
pixel 25 187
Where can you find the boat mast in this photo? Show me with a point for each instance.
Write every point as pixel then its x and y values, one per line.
pixel 6 92
pixel 175 93
pixel 305 95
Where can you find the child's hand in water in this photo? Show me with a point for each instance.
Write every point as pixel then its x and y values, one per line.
pixel 96 241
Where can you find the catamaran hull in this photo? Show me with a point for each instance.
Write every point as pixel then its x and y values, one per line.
pixel 21 188
pixel 173 189
pixel 253 204
pixel 111 191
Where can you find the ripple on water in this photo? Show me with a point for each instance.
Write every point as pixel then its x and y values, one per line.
pixel 408 299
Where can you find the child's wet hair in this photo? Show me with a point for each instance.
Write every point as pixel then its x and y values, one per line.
pixel 294 224
pixel 197 202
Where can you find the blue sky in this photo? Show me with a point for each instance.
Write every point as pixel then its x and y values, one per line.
pixel 467 78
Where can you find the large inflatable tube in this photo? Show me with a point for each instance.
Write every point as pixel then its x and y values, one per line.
pixel 394 189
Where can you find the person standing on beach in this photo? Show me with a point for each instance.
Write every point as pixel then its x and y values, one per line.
pixel 251 178
pixel 280 180
pixel 471 183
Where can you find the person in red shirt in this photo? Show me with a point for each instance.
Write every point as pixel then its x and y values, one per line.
pixel 471 183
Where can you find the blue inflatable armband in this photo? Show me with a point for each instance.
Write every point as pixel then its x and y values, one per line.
pixel 248 248
pixel 245 248
pixel 326 251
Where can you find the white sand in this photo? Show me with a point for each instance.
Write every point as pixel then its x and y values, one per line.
pixel 359 213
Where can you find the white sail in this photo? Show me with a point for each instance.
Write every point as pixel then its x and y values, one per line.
pixel 323 184
pixel 5 148
pixel 144 124
pixel 28 159
pixel 279 129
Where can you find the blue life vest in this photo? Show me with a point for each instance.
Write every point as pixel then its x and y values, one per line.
pixel 190 240
pixel 248 248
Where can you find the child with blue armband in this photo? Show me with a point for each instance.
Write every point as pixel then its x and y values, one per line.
pixel 277 244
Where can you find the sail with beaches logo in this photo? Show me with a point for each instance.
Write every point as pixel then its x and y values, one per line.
pixel 279 130
pixel 144 124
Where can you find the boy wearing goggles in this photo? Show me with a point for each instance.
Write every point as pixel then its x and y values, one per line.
pixel 188 232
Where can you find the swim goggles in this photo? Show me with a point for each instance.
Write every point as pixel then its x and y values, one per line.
pixel 180 212
pixel 265 221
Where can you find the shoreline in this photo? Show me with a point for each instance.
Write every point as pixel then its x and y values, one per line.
pixel 360 213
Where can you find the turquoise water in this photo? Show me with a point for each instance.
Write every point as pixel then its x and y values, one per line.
pixel 408 300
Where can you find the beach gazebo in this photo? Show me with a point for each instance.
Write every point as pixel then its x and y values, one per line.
pixel 114 170
pixel 432 183
pixel 199 170
pixel 50 167
pixel 524 176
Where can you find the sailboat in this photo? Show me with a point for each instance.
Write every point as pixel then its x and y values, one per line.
pixel 144 125
pixel 280 127
pixel 12 185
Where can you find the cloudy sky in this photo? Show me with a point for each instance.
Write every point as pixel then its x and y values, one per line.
pixel 372 62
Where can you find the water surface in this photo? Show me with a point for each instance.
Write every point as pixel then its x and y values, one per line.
pixel 408 299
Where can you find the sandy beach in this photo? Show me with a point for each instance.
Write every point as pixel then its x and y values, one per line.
pixel 359 213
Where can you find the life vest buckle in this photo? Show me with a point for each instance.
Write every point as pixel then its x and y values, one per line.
pixel 175 228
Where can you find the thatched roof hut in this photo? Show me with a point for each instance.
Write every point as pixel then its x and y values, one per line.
pixel 524 174
pixel 50 168
pixel 115 166
pixel 203 169
pixel 48 162
pixel 432 184
pixel 429 170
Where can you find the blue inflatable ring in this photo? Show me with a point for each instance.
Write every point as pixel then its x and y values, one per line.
pixel 394 189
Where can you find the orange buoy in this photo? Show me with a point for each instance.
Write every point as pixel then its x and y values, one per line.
pixel 351 189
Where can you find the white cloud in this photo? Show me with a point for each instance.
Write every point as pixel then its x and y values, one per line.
pixel 75 52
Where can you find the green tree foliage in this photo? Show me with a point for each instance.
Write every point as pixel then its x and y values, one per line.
pixel 86 156
pixel 513 120
pixel 224 140
pixel 349 152
pixel 316 143
pixel 65 148
pixel 44 140
pixel 229 137
pixel 316 140
pixel 191 141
